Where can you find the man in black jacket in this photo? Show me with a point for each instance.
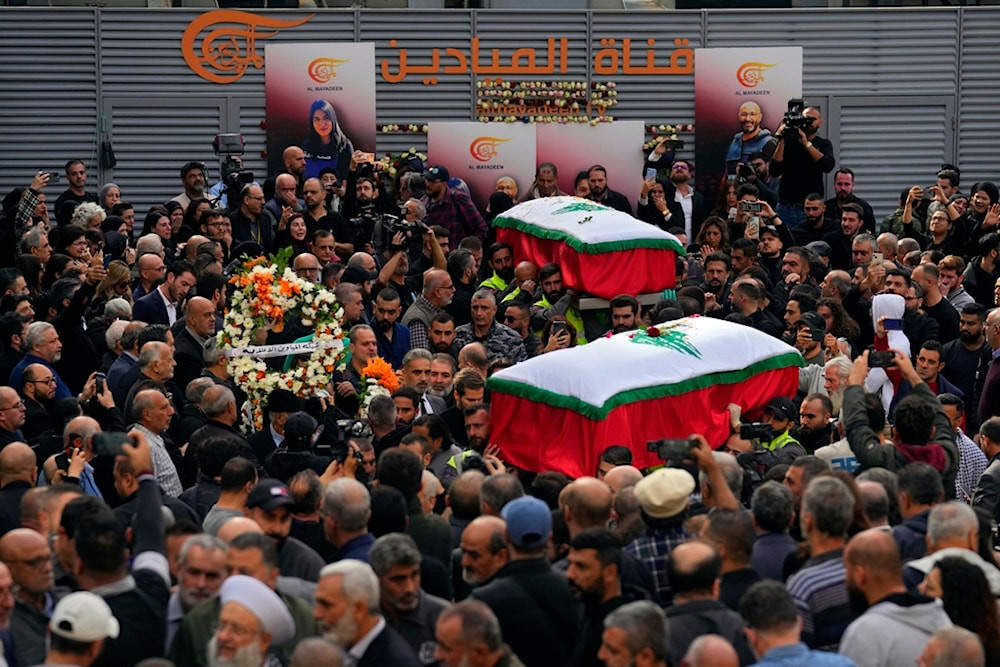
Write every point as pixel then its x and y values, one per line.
pixel 800 161
pixel 349 614
pixel 137 599
pixel 597 176
pixel 528 598
pixel 694 569
pixel 987 492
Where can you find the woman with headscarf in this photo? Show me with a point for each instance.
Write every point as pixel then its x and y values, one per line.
pixel 108 196
pixel 326 145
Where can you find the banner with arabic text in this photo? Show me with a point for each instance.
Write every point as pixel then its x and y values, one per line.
pixel 740 97
pixel 321 97
pixel 482 153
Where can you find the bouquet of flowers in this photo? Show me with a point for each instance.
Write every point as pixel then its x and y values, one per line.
pixel 267 293
pixel 379 378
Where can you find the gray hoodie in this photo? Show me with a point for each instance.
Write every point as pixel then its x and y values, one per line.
pixel 893 632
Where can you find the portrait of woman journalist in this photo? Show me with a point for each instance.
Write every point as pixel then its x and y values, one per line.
pixel 326 145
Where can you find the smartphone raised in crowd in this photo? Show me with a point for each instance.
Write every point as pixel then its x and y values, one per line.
pixel 650 173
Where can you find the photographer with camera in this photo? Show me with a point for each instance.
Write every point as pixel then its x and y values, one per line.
pixel 769 442
pixel 801 159
pixel 755 172
pixel 395 270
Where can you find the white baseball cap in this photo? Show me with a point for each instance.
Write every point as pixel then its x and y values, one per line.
pixel 83 617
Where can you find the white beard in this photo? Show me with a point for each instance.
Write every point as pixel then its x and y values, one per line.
pixel 246 656
pixel 343 632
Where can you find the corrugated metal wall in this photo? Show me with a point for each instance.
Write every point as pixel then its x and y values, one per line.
pixel 902 90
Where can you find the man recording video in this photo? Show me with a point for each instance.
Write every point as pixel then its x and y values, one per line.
pixel 801 159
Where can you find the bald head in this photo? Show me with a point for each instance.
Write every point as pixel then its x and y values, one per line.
pixel 877 552
pixel 19 541
pixel 621 476
pixel 237 526
pixel 191 247
pixel 586 504
pixel 295 160
pixel 710 651
pixel 316 651
pixel 17 463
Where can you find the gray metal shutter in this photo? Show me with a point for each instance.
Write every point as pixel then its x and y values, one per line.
pixel 153 137
pixel 48 88
pixel 891 143
pixel 977 97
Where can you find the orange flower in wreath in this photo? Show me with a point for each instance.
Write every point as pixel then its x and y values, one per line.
pixel 381 371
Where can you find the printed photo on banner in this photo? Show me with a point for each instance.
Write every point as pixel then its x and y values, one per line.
pixel 488 157
pixel 740 98
pixel 321 97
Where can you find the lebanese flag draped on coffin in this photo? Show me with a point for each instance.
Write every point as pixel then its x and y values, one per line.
pixel 558 411
pixel 600 250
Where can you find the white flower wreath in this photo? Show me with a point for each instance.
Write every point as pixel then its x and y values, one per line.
pixel 267 293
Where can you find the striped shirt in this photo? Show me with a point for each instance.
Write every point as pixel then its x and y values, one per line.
pixel 820 593
pixel 163 465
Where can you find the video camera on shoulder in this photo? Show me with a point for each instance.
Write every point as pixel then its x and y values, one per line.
pixel 794 119
pixel 409 230
pixel 228 146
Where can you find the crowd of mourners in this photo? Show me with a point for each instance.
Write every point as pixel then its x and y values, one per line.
pixel 144 521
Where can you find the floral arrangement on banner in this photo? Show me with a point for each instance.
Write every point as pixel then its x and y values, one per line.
pixel 502 101
pixel 379 379
pixel 268 293
pixel 661 132
pixel 411 158
pixel 396 127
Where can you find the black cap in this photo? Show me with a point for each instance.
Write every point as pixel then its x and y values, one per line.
pixel 299 429
pixel 782 408
pixel 269 495
pixel 437 173
pixel 357 275
pixel 282 400
pixel 812 319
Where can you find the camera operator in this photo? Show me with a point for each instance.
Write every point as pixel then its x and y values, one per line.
pixel 365 202
pixel 396 260
pixel 755 172
pixel 801 159
pixel 769 442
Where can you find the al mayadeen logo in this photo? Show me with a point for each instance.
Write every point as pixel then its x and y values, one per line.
pixel 484 149
pixel 321 70
pixel 751 74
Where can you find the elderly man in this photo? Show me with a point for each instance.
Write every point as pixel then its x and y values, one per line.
pixel 153 412
pixel 27 554
pixel 43 347
pixel 348 613
pixel 438 291
pixel 252 554
pixel 190 343
pixel 156 362
pixel 202 571
pixel 75 462
pixel 252 618
pixel 347 507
